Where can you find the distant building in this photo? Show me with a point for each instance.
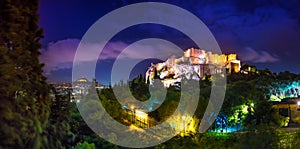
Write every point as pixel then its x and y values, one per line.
pixel 81 86
pixel 194 64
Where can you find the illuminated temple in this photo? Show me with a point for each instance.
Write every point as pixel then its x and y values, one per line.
pixel 194 64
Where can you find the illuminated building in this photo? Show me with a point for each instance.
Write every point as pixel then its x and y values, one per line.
pixel 285 97
pixel 194 64
pixel 290 109
pixel 80 86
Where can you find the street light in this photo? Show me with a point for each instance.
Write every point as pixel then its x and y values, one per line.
pixel 298 103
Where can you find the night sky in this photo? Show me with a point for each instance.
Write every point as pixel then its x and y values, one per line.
pixel 263 33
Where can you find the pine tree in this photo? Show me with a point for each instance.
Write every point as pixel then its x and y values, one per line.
pixel 24 92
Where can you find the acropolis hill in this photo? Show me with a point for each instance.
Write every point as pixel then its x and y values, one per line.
pixel 194 64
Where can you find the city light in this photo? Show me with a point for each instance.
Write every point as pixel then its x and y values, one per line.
pixel 298 103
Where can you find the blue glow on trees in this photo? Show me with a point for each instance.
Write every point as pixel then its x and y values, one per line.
pixel 284 89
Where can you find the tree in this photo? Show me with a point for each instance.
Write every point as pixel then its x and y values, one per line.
pixel 85 145
pixel 24 92
pixel 59 133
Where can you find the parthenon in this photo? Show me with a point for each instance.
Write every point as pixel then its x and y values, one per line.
pixel 194 64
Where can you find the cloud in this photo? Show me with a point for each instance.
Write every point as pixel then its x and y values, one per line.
pixel 255 56
pixel 60 55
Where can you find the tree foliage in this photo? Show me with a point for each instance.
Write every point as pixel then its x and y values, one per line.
pixel 25 106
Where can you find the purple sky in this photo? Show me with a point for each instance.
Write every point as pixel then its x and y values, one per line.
pixel 263 33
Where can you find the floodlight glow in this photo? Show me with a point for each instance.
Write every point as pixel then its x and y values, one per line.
pixel 141 114
pixel 245 109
